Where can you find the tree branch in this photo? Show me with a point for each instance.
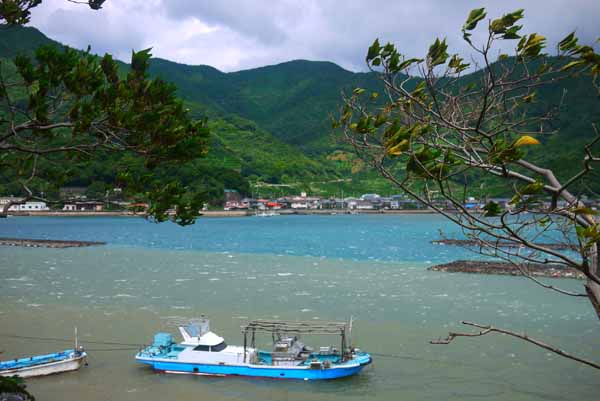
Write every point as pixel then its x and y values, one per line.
pixel 490 329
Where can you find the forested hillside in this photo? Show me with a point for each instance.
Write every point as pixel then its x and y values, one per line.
pixel 271 124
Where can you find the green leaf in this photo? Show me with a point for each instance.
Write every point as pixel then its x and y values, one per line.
pixel 394 62
pixel 532 189
pixel 437 53
pixel 380 120
pixel 531 46
pixel 505 24
pixel 457 64
pixel 569 44
pixel 572 64
pixel 492 209
pixel 373 50
pixel 474 17
pixel 407 63
pixel 139 60
pixel 512 33
pixel 530 98
pixel 419 90
pixel 584 210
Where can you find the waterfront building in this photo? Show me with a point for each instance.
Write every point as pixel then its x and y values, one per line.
pixel 83 206
pixel 30 206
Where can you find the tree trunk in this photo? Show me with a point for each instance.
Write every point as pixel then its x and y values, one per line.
pixel 592 288
pixel 12 202
pixel 4 211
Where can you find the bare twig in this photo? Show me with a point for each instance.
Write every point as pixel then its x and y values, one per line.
pixel 523 336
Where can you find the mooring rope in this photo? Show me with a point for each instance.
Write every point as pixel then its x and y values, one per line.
pixel 132 346
pixel 70 340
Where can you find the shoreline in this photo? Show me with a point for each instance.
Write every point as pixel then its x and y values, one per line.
pixel 224 213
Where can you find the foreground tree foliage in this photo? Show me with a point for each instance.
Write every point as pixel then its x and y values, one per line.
pixel 14 386
pixel 437 139
pixel 63 104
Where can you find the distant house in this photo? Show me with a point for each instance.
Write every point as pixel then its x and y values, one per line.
pixel 329 203
pixel 299 203
pixel 31 206
pixel 83 206
pixel 364 205
pixel 373 198
pixel 233 199
pixel 304 202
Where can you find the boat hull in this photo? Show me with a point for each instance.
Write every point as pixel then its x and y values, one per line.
pixel 273 372
pixel 66 365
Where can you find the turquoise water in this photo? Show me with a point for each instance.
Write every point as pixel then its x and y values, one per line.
pixel 385 238
pixel 295 267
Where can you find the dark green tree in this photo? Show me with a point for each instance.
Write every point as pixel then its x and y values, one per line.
pixel 16 387
pixel 439 134
pixel 63 107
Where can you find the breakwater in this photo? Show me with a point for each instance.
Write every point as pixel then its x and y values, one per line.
pixel 46 243
pixel 507 269
pixel 500 244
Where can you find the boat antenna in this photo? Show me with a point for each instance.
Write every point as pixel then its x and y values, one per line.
pixel 76 340
pixel 350 332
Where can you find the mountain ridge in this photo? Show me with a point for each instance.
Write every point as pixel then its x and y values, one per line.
pixel 286 106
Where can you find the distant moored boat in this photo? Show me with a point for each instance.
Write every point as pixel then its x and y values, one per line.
pixel 41 365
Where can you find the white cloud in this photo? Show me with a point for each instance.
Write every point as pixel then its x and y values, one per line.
pixel 233 35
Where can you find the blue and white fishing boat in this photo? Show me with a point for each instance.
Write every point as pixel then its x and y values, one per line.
pixel 203 352
pixel 41 365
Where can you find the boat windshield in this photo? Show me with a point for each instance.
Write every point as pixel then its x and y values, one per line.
pixel 214 348
pixel 218 347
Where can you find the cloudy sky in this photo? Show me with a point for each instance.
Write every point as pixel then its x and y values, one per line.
pixel 233 35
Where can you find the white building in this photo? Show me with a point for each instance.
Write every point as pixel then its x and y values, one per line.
pixel 33 206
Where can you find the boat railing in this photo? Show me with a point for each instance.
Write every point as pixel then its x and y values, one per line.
pixel 277 328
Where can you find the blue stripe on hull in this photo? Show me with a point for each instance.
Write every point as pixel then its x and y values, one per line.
pixel 256 371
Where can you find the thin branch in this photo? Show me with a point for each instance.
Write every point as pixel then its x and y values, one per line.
pixel 490 329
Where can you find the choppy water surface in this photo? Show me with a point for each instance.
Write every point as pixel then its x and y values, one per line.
pixel 298 267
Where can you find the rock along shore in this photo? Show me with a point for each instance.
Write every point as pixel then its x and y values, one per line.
pixel 47 243
pixel 501 244
pixel 507 269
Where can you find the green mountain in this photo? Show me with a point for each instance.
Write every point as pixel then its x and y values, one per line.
pixel 271 124
pixel 240 149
